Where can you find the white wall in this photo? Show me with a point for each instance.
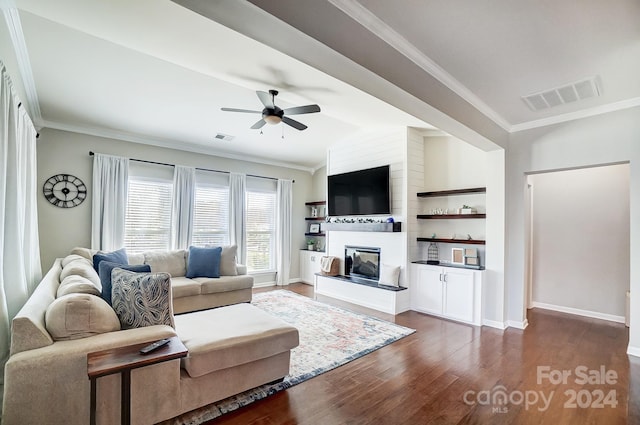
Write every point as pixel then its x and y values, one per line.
pixel 604 139
pixel 66 152
pixel 450 163
pixel 580 232
pixel 319 185
pixel 368 150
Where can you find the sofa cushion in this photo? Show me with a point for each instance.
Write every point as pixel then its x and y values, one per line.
pixel 76 284
pixel 84 252
pixel 224 283
pixel 203 262
pixel 73 257
pixel 119 256
pixel 172 262
pixel 184 287
pixel 77 316
pixel 135 258
pixel 243 333
pixel 142 299
pixel 105 269
pixel 228 261
pixel 80 268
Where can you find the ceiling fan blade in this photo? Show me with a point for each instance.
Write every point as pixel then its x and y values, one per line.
pixel 265 98
pixel 293 123
pixel 240 110
pixel 258 125
pixel 296 110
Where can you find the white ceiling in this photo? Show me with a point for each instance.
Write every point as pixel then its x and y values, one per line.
pixel 155 72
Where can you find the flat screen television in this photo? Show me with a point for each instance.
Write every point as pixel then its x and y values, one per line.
pixel 362 192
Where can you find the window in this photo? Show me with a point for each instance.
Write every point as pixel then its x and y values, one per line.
pixel 261 215
pixel 148 219
pixel 211 216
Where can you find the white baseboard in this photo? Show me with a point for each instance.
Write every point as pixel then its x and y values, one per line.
pixel 633 351
pixel 494 324
pixel 264 284
pixel 518 325
pixel 579 312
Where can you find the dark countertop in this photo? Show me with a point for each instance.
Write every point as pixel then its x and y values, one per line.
pixel 453 266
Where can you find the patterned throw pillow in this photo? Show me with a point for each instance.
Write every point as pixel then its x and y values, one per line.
pixel 141 299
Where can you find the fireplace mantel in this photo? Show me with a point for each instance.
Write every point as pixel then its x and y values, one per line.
pixel 363 227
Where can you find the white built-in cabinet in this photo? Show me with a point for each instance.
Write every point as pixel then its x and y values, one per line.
pixel 309 265
pixel 448 292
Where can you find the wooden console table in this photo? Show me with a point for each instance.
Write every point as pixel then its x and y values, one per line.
pixel 122 360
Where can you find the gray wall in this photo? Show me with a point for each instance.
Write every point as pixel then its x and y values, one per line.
pixel 66 152
pixel 603 139
pixel 580 235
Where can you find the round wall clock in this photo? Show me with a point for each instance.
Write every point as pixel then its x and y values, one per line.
pixel 64 190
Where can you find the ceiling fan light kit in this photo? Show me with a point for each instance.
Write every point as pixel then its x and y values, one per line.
pixel 273 115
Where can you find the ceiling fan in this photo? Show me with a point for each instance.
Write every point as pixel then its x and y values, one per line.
pixel 273 115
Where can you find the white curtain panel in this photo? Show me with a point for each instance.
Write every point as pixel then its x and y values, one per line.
pixel 20 269
pixel 284 201
pixel 237 214
pixel 109 206
pixel 182 206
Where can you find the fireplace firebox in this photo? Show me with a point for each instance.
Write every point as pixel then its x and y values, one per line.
pixel 362 262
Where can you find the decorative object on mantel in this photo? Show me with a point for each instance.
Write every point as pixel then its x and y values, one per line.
pixel 432 253
pixel 310 243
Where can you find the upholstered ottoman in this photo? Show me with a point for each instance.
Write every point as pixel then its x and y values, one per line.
pixel 231 349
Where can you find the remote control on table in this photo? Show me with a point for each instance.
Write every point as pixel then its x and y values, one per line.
pixel 152 347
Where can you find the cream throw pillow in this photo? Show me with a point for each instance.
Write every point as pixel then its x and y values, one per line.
pixel 389 275
pixel 228 261
pixel 76 316
pixel 172 262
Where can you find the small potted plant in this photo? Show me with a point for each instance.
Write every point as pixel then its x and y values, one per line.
pixel 466 209
pixel 310 243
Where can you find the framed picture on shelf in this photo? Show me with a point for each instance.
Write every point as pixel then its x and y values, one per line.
pixel 457 256
pixel 314 228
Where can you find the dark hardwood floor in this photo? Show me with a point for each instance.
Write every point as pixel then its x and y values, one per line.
pixel 424 378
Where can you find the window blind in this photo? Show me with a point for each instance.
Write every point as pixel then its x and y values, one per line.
pixel 148 219
pixel 261 207
pixel 211 216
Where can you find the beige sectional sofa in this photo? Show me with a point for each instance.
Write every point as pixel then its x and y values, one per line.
pixel 231 349
pixel 233 286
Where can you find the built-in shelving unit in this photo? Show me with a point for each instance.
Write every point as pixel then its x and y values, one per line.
pixel 449 216
pixel 433 194
pixel 462 241
pixel 452 192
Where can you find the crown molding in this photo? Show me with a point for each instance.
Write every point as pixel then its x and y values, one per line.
pixel 379 28
pixel 166 143
pixel 571 116
pixel 14 26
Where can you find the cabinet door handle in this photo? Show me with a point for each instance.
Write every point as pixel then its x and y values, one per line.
pixel 444 277
pixel 440 277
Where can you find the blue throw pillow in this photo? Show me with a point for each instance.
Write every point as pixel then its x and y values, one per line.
pixel 204 262
pixel 105 269
pixel 119 256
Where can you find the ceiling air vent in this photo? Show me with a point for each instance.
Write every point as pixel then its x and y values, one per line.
pixel 224 137
pixel 568 93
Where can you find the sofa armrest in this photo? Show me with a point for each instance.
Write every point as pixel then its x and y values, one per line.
pixel 242 269
pixel 56 381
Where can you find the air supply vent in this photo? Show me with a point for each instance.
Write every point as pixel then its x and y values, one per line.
pixel 224 137
pixel 568 93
